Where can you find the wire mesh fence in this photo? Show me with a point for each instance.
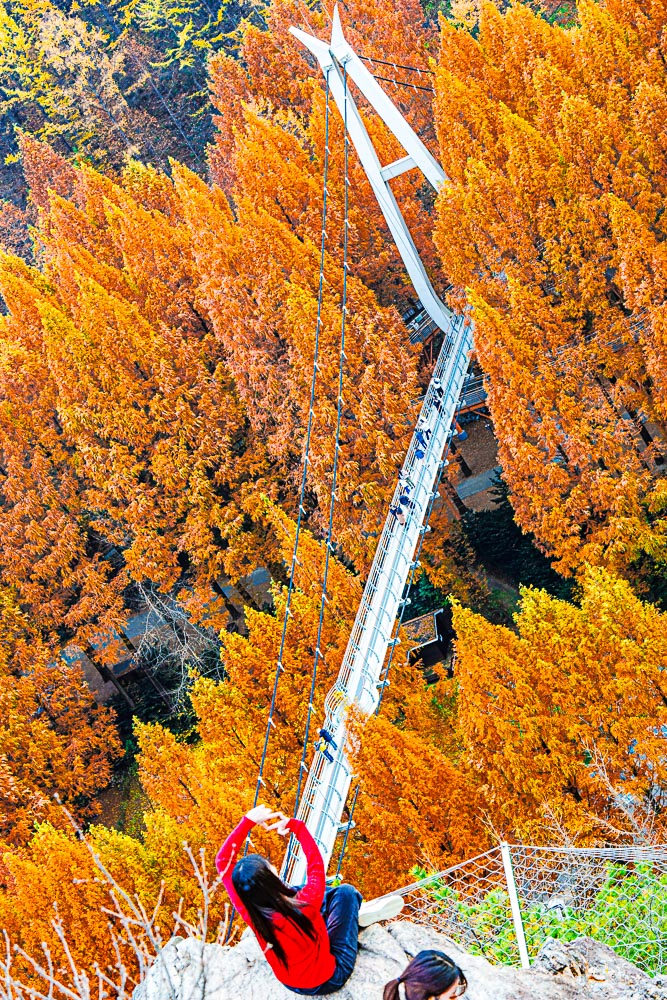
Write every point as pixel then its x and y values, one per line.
pixel 504 904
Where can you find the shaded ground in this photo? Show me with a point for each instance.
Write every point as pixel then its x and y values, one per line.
pixel 480 449
pixel 478 484
pixel 509 556
pixel 124 803
pixel 472 464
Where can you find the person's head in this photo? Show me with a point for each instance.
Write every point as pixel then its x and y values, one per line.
pixel 263 893
pixel 431 975
pixel 257 882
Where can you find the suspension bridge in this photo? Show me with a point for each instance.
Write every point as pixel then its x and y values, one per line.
pixel 364 673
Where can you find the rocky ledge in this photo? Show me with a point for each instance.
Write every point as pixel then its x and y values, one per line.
pixel 575 970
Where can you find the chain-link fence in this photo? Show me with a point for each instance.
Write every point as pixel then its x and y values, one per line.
pixel 505 903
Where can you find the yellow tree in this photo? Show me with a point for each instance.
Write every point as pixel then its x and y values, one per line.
pixel 60 78
pixel 535 139
pixel 58 879
pixel 53 739
pixel 416 804
pixel 565 719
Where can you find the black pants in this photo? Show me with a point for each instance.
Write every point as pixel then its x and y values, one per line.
pixel 340 909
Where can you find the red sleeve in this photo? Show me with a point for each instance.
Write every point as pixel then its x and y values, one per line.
pixel 313 891
pixel 226 859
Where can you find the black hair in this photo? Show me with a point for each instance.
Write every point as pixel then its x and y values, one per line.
pixel 263 893
pixel 428 975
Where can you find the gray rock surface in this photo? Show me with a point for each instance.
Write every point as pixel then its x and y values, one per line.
pixel 188 970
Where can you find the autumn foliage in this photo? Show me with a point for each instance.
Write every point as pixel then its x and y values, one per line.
pixel 53 738
pixel 563 721
pixel 197 792
pixel 156 358
pixel 552 223
pixel 551 731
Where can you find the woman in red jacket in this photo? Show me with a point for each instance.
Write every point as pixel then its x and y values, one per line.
pixel 309 936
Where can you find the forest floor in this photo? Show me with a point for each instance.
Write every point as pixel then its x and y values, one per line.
pixel 480 453
pixel 504 596
pixel 124 802
pixel 480 449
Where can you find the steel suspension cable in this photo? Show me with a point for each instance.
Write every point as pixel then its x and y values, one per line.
pixel 304 475
pixel 334 475
pixel 389 62
pixel 403 83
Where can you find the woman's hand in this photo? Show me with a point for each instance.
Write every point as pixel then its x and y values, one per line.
pixel 280 826
pixel 261 815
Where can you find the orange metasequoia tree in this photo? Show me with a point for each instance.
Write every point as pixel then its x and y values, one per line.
pixel 260 288
pixel 208 787
pixel 209 310
pixel 49 555
pixel 54 741
pixel 135 439
pixel 415 803
pixel 70 894
pixel 565 719
pixel 551 140
pixel 196 792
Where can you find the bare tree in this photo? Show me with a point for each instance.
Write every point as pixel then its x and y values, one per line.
pixel 172 649
pixel 639 813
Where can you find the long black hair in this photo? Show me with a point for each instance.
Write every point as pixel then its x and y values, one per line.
pixel 428 975
pixel 263 893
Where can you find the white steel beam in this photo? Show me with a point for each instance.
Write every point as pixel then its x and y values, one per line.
pixel 384 106
pixel 332 58
pixel 397 168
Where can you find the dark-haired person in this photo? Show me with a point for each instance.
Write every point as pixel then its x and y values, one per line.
pixel 398 514
pixel 431 975
pixel 309 936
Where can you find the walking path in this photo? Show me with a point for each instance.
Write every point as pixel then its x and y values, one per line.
pixel 477 484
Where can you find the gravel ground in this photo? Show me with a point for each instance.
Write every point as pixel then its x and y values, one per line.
pixel 480 450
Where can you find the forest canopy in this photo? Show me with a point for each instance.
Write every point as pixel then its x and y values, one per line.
pixel 160 278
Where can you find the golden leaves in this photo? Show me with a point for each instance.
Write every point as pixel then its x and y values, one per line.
pixel 545 135
pixel 575 683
